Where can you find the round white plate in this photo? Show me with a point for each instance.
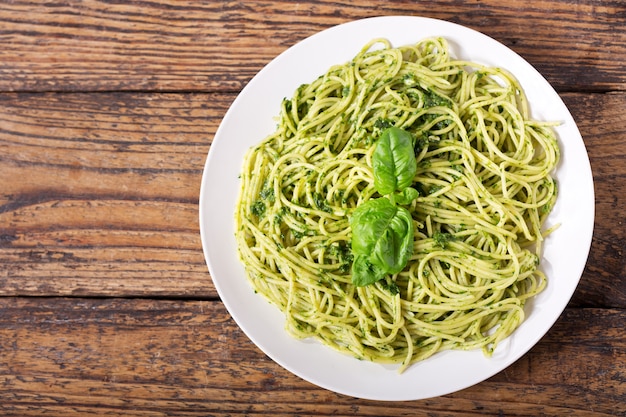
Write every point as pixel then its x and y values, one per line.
pixel 252 117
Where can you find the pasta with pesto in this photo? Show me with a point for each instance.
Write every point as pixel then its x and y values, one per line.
pixel 485 189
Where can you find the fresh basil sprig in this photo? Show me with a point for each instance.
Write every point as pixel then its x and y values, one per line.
pixel 393 161
pixel 382 230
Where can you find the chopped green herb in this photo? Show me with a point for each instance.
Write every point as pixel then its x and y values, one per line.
pixel 382 124
pixel 321 203
pixel 267 194
pixel 258 208
pixel 442 239
pixel 390 286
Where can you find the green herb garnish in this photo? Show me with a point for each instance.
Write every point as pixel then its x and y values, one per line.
pixel 382 230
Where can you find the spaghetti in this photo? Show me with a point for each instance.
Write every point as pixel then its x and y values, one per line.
pixel 485 190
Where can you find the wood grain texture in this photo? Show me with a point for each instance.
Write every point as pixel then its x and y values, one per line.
pixel 604 132
pixel 107 197
pixel 181 358
pixel 101 192
pixel 94 45
pixel 108 109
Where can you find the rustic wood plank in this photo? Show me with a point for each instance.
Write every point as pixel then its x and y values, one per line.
pixel 218 46
pixel 177 358
pixel 100 192
pixel 602 122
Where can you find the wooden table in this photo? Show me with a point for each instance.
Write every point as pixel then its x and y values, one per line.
pixel 107 112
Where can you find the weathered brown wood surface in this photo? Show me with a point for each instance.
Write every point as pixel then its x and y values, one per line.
pixel 107 112
pixel 141 358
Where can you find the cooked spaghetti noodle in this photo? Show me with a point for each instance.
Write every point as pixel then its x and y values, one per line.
pixel 485 189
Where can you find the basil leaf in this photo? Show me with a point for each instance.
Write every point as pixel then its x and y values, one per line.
pixel 368 222
pixel 395 246
pixel 393 161
pixel 405 197
pixel 364 272
pixel 383 234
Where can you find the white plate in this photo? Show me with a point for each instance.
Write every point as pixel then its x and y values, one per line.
pixel 252 116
